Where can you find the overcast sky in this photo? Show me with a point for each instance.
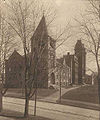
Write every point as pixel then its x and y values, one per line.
pixel 66 11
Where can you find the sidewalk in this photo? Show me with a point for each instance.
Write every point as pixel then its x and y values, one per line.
pixel 50 98
pixel 54 97
pixel 80 104
pixel 51 111
pixel 5 118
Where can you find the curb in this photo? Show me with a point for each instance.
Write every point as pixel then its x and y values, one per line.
pixel 80 104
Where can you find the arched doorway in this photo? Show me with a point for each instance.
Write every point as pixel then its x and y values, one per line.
pixel 52 78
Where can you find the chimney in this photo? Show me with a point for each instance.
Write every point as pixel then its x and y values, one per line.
pixel 78 40
pixel 68 53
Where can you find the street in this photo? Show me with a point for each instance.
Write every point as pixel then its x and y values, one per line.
pixel 51 110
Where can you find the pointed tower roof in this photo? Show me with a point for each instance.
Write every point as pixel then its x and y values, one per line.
pixel 40 35
pixel 41 28
pixel 42 23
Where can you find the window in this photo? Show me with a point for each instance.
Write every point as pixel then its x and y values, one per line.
pixel 20 66
pixel 20 74
pixel 9 69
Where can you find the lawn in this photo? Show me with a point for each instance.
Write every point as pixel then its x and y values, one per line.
pixel 15 92
pixel 84 93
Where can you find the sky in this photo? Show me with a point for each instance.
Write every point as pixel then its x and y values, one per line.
pixel 67 10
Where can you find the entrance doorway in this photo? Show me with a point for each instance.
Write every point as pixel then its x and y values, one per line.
pixel 52 78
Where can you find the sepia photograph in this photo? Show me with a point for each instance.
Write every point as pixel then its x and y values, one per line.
pixel 49 59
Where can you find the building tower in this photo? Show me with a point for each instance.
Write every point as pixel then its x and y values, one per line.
pixel 41 51
pixel 81 55
pixel 72 62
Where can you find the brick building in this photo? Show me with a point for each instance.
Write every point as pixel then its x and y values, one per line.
pixel 63 73
pixel 76 63
pixel 44 46
pixel 72 62
pixel 14 70
pixel 73 67
pixel 51 60
pixel 43 60
pixel 70 68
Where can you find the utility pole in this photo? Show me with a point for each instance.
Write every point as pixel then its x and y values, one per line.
pixel 60 86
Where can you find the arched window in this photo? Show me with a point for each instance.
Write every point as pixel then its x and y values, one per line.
pixel 52 78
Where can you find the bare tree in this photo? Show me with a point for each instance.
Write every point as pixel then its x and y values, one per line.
pixel 7 44
pixel 23 18
pixel 89 27
pixel 23 21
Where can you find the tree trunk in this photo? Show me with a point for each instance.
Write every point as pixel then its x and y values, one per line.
pixel 35 102
pixel 60 86
pixel 26 87
pixel 98 78
pixel 26 107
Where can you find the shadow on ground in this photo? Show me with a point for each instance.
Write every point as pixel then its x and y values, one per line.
pixel 19 116
pixel 41 93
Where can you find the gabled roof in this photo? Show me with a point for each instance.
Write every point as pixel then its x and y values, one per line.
pixel 41 28
pixel 15 54
pixel 68 59
pixel 79 45
pixel 60 60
